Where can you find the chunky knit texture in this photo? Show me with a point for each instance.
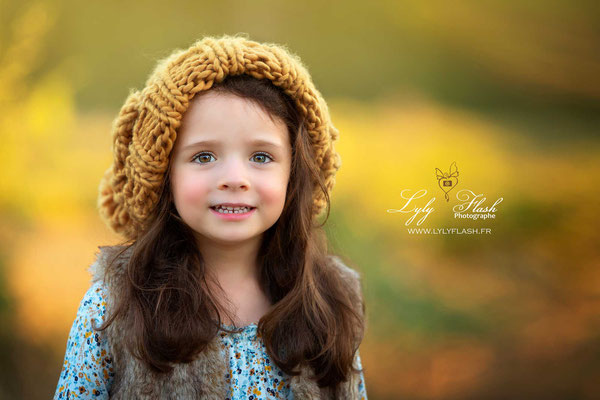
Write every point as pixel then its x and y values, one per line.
pixel 145 130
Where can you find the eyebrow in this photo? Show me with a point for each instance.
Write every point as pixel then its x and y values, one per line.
pixel 256 142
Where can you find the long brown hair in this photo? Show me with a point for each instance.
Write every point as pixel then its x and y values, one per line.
pixel 173 313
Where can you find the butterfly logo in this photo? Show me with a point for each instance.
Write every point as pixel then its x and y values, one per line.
pixel 447 180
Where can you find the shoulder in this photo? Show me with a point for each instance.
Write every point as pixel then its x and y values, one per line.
pixel 350 277
pixel 104 257
pixel 348 274
pixel 93 303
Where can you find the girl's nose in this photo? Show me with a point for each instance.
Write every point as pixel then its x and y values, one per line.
pixel 234 175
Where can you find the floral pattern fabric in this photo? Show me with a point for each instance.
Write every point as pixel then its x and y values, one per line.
pixel 87 370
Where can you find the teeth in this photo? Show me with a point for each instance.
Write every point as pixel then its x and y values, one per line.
pixel 232 210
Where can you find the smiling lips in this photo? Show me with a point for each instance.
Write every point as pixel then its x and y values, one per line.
pixel 232 208
pixel 232 205
pixel 232 214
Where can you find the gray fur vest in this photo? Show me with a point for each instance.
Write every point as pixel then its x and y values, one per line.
pixel 204 378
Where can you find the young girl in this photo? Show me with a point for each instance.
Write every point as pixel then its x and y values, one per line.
pixel 223 288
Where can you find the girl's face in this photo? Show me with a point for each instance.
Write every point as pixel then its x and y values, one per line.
pixel 229 151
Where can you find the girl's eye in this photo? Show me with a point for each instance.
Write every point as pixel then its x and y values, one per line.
pixel 261 154
pixel 202 157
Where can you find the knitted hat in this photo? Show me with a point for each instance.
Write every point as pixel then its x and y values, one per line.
pixel 145 130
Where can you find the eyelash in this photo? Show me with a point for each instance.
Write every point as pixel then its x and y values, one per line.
pixel 260 153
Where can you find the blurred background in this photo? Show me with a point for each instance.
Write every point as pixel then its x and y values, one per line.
pixel 509 90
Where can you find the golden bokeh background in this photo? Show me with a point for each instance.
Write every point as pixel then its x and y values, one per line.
pixel 510 90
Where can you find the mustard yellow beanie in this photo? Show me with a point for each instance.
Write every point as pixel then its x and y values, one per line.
pixel 145 130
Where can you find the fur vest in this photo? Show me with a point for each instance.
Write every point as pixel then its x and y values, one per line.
pixel 204 378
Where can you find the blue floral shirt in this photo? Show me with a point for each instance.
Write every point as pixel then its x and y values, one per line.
pixel 87 371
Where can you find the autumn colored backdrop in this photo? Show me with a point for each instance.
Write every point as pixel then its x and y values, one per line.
pixel 509 90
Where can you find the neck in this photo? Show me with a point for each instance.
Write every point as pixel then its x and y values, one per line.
pixel 234 268
pixel 231 263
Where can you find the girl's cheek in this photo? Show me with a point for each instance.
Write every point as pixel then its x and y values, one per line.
pixel 195 191
pixel 190 189
pixel 273 191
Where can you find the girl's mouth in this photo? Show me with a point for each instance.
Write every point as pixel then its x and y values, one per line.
pixel 235 214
